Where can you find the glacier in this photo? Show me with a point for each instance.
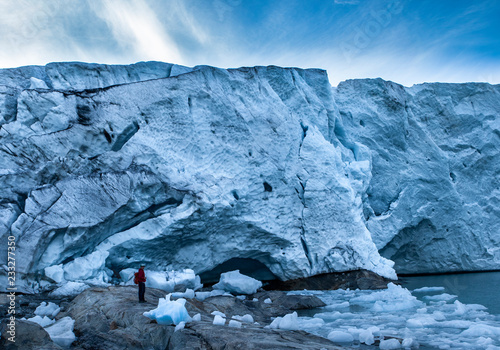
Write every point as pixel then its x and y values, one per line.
pixel 104 167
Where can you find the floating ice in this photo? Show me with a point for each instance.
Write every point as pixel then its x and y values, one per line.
pixel 389 344
pixel 197 318
pixel 267 301
pixel 169 311
pixel 366 337
pixel 340 337
pixel 218 313
pixel 430 324
pixel 439 297
pixel 428 289
pixel 49 309
pixel 219 320
pixel 479 330
pixel 235 282
pixel 394 298
pixel 61 332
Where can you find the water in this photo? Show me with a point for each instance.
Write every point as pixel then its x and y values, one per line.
pixel 471 288
pixel 449 315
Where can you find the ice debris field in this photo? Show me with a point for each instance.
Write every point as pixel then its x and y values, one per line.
pixel 425 318
pixel 60 331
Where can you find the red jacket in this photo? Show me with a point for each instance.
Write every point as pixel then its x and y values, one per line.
pixel 141 276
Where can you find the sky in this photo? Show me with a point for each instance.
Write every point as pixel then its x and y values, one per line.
pixel 406 41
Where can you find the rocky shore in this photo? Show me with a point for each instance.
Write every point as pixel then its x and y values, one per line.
pixel 111 318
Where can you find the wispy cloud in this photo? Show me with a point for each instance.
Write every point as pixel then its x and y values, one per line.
pixel 347 2
pixel 135 26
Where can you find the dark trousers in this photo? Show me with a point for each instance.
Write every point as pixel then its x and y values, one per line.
pixel 142 290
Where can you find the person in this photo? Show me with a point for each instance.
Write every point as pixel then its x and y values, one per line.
pixel 141 281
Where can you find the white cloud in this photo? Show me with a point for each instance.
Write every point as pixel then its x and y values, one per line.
pixel 135 26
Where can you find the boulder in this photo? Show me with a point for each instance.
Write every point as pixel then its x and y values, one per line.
pixel 29 336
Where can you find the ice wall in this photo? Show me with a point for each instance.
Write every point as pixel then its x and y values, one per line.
pixel 190 167
pixel 433 203
pixel 178 168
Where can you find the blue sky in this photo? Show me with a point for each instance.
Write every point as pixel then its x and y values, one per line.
pixel 406 41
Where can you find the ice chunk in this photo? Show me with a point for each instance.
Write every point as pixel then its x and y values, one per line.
pixel 188 294
pixel 288 322
pixel 49 309
pixel 428 289
pixel 439 297
pixel 86 267
pixel 338 306
pixel 61 332
pixel 340 337
pixel 410 343
pixel 267 301
pixel 310 323
pixel 179 326
pixel 479 330
pixel 246 318
pixel 420 321
pixel 127 276
pixel 197 318
pixel 167 280
pixel 234 324
pixel 219 320
pixel 235 282
pixel 202 295
pixel 186 277
pixel 69 289
pixel 394 298
pixel 241 297
pixel 158 280
pixel 55 273
pixel 366 337
pixel 42 321
pixel 169 311
pixel 389 344
pixel 218 313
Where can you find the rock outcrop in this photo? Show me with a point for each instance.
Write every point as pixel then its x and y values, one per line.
pixel 28 336
pixel 111 318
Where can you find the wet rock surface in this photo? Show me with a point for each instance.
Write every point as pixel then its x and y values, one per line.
pixel 112 318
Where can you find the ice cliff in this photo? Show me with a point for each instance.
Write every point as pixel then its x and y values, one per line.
pixel 103 167
pixel 433 203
